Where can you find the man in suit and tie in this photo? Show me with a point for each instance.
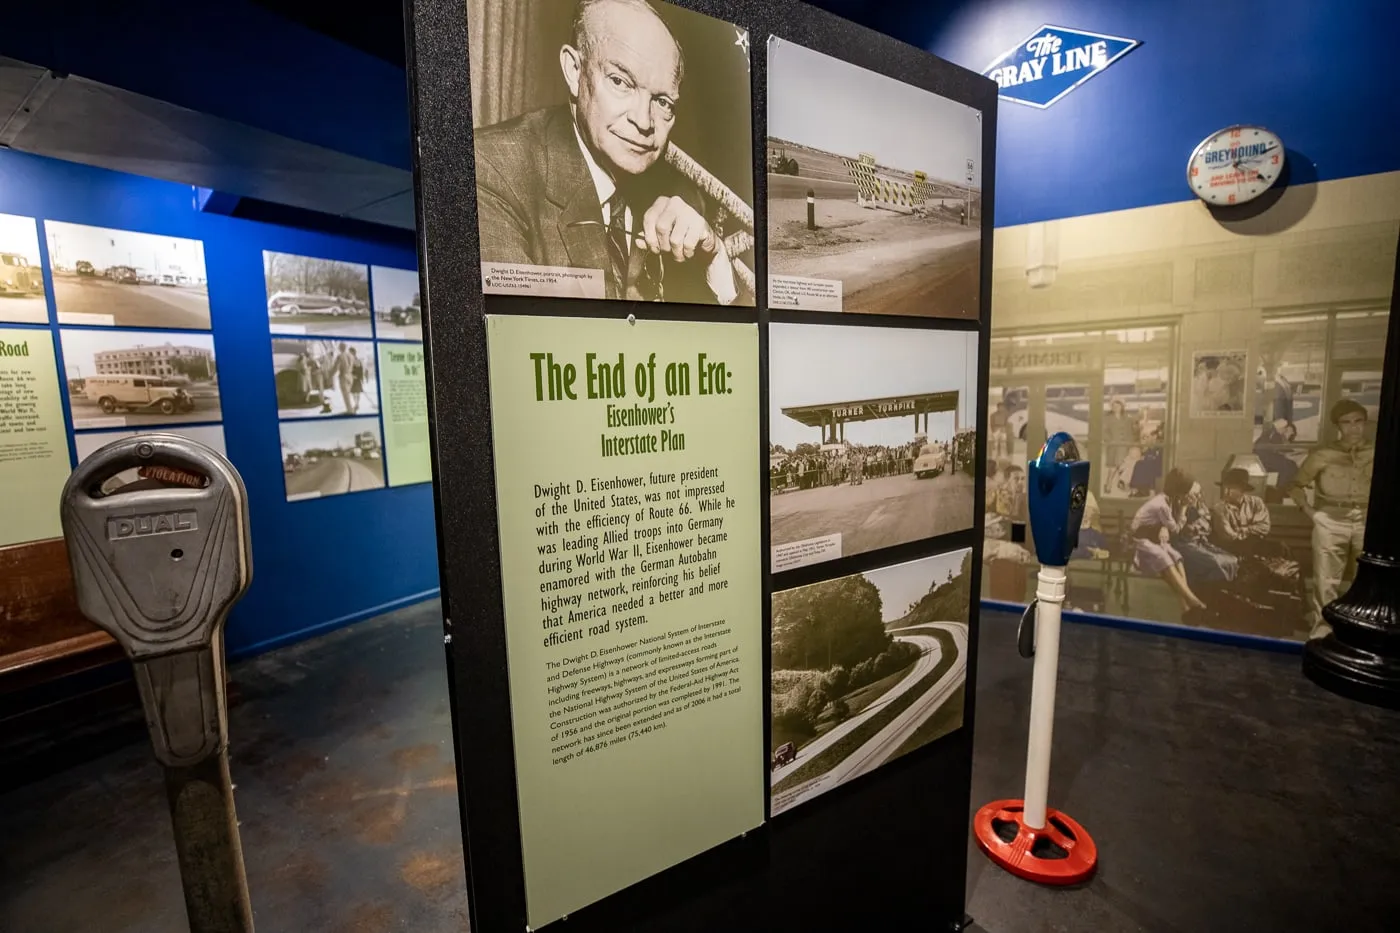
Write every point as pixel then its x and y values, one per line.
pixel 586 184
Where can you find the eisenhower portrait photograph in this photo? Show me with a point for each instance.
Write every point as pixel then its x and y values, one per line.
pixel 613 151
pixel 895 177
pixel 872 438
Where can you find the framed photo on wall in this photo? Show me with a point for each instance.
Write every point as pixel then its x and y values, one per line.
pixel 613 152
pixel 1218 382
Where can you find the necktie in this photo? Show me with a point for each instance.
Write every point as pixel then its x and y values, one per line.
pixel 617 245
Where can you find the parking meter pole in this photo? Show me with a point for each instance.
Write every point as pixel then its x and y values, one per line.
pixel 1049 594
pixel 158 563
pixel 1027 837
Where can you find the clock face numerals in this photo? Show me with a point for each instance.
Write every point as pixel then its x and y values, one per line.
pixel 1235 165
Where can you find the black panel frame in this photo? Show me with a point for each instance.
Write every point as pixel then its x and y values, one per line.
pixel 889 847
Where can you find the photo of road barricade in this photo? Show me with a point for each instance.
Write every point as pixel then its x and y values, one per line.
pixel 874 191
pixel 866 668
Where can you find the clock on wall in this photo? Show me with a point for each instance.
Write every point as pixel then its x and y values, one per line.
pixel 1235 165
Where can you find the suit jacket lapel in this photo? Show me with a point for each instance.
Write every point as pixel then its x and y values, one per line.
pixel 570 188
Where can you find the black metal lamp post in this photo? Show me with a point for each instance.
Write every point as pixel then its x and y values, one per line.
pixel 1360 660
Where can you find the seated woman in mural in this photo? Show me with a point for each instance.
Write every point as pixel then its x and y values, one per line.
pixel 1206 563
pixel 1152 528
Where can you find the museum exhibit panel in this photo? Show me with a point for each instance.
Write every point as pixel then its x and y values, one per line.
pixel 718 606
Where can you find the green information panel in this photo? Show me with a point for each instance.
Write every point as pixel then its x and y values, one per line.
pixel 33 441
pixel 628 496
pixel 403 388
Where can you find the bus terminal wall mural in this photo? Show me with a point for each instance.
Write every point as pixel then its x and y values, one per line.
pixel 1222 375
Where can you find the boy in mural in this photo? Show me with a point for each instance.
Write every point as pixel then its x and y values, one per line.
pixel 1340 473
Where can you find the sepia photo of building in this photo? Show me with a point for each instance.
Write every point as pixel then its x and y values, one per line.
pixel 122 378
pixel 613 151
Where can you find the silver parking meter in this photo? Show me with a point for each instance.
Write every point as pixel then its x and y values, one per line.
pixel 158 563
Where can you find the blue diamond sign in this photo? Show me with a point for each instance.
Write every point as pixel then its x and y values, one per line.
pixel 1052 61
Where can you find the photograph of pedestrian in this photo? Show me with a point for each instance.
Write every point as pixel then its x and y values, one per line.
pixel 121 278
pixel 866 668
pixel 21 272
pixel 126 378
pixel 874 191
pixel 321 297
pixel 872 436
pixel 322 378
pixel 88 443
pixel 1218 383
pixel 613 151
pixel 331 458
pixel 398 314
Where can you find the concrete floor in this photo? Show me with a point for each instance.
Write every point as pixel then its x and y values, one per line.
pixel 1224 791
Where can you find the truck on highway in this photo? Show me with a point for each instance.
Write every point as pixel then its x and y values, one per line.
pixel 779 163
pixel 137 393
pixel 785 754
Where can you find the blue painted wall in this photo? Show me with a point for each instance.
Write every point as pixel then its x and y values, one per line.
pixel 317 563
pixel 1307 70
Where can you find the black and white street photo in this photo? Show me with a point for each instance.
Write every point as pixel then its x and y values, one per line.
pixel 866 668
pixel 613 151
pixel 123 378
pixel 320 297
pixel 21 273
pixel 121 278
pixel 872 434
pixel 398 314
pixel 322 377
pixel 331 458
pixel 89 442
pixel 874 191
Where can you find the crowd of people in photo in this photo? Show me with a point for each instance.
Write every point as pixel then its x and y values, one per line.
pixel 1224 557
pixel 809 466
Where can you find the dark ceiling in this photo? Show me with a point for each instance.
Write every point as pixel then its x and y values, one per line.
pixel 376 26
pixel 372 26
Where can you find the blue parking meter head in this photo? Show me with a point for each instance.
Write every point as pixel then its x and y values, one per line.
pixel 1057 486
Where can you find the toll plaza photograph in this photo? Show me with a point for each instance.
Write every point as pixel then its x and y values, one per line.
pixel 851 473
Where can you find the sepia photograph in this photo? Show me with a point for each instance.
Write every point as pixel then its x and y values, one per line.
pixel 398 314
pixel 872 437
pixel 22 298
pixel 613 151
pixel 1218 380
pixel 88 443
pixel 874 191
pixel 121 278
pixel 119 379
pixel 866 668
pixel 319 297
pixel 324 377
pixel 331 458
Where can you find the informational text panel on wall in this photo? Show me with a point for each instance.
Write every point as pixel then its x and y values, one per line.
pixel 628 499
pixel 33 445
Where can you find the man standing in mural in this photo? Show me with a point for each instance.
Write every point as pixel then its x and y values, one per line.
pixel 1340 474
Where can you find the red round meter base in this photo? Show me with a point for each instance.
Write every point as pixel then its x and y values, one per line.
pixel 1061 853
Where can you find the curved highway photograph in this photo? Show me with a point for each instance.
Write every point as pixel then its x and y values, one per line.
pixel 866 668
